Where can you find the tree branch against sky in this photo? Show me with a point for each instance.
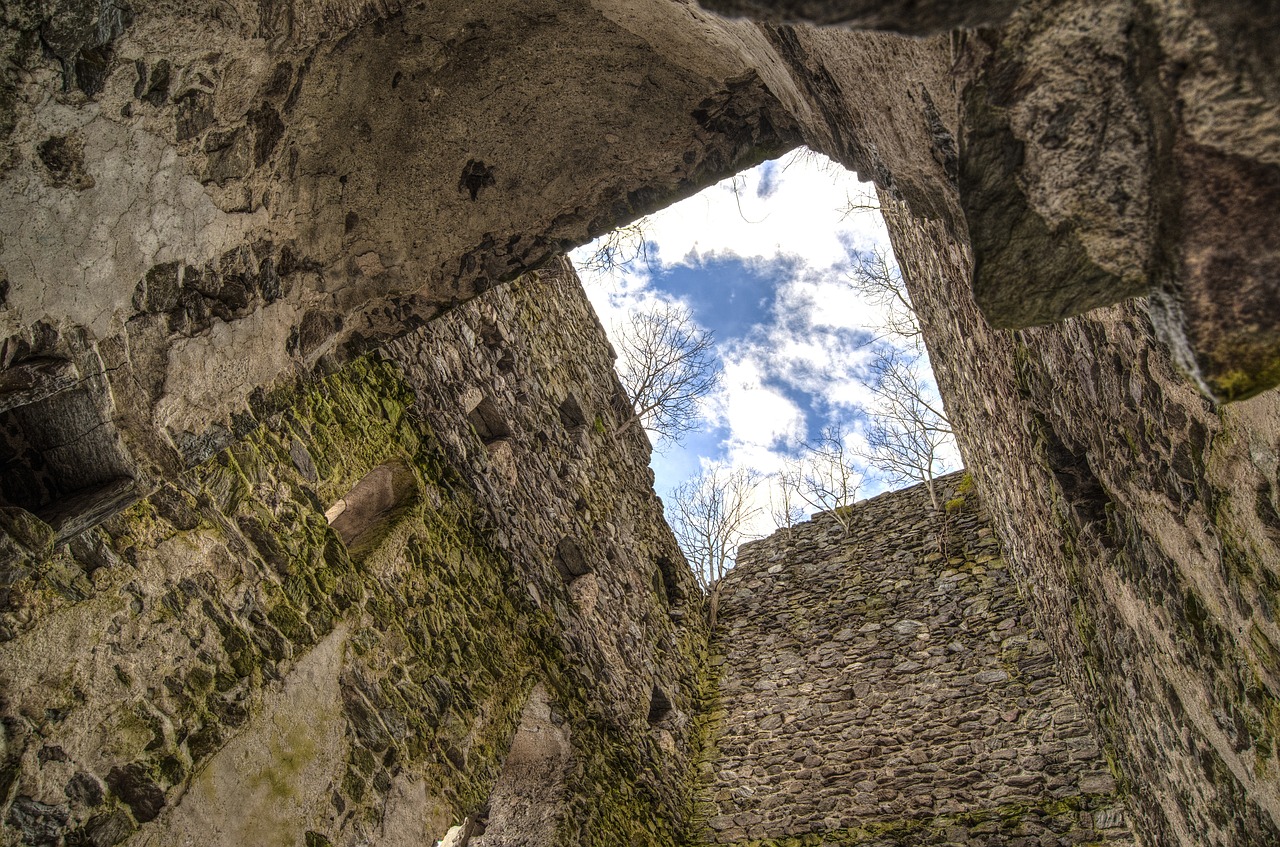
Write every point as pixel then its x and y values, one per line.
pixel 667 364
pixel 712 514
pixel 785 506
pixel 794 279
pixel 624 247
pixel 826 475
pixel 875 276
pixel 909 434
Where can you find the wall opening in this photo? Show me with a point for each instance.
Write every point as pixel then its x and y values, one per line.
pixel 789 269
pixel 571 414
pixel 61 457
pixel 570 561
pixel 660 706
pixel 490 424
pixel 667 581
pixel 372 503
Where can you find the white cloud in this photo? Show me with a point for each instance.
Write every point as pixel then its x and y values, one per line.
pixel 827 299
pixel 801 215
pixel 616 296
pixel 802 365
pixel 758 416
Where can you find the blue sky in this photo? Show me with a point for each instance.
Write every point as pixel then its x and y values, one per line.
pixel 762 260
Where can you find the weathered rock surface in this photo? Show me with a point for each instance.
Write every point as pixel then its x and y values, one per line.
pixel 1138 514
pixel 915 17
pixel 1138 518
pixel 888 685
pixel 240 189
pixel 201 202
pixel 220 665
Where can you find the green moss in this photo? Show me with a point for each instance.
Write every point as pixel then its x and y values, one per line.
pixel 707 727
pixel 1241 384
pixel 442 634
pixel 27 530
pixel 291 624
pixel 1083 621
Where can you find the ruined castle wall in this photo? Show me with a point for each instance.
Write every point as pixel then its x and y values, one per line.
pixel 1139 519
pixel 1138 514
pixel 330 632
pixel 204 199
pixel 889 686
pixel 200 200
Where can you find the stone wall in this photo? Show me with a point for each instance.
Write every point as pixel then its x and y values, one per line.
pixel 1138 517
pixel 889 686
pixel 329 633
pixel 1134 509
pixel 198 202
pixel 220 196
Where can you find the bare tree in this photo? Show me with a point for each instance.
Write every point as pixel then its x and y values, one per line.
pixel 784 501
pixel 909 433
pixel 865 202
pixel 826 477
pixel 878 281
pixel 667 365
pixel 618 248
pixel 712 516
pixel 909 430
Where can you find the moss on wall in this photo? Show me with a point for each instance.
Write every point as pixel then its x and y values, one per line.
pixel 213 590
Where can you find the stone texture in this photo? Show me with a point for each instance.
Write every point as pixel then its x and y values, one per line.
pixel 1133 129
pixel 915 18
pixel 285 178
pixel 1136 515
pixel 219 664
pixel 201 203
pixel 1134 511
pixel 888 686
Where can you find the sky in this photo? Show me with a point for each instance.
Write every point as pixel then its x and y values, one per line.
pixel 761 260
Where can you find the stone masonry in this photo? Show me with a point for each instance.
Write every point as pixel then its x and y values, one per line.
pixel 408 581
pixel 888 687
pixel 203 204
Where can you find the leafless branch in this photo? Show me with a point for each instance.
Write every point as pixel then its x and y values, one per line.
pixel 866 202
pixel 878 281
pixel 624 246
pixel 711 516
pixel 825 476
pixel 909 428
pixel 667 364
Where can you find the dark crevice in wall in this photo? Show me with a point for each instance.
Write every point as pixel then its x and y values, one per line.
pixel 60 456
pixel 667 581
pixel 570 561
pixel 1081 488
pixel 490 424
pixel 571 414
pixel 660 707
